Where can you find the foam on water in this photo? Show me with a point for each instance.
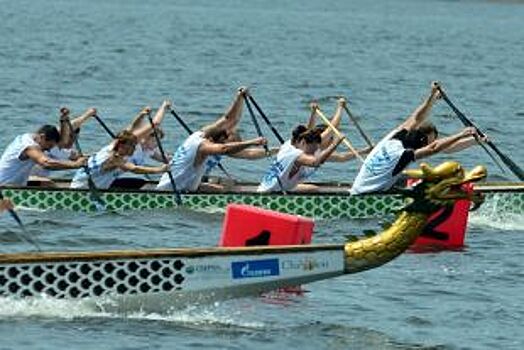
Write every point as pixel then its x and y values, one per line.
pixel 67 309
pixel 500 221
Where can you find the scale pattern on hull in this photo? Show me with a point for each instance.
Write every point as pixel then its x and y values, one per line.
pixel 317 206
pixel 90 279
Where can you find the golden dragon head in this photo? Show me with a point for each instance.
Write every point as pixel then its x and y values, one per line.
pixel 441 186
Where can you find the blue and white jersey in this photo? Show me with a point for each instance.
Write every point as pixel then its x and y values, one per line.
pixel 101 178
pixel 212 162
pixel 13 170
pixel 285 169
pixel 140 155
pixel 376 174
pixel 187 176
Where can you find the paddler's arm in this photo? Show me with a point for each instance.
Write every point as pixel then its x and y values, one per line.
pixel 443 143
pixel 208 148
pixel 231 117
pixel 65 130
pixel 145 129
pixel 78 121
pixel 464 143
pixel 138 169
pixel 340 157
pixel 254 153
pixel 313 106
pixel 6 204
pixel 335 121
pixel 421 113
pixel 39 157
pixel 317 160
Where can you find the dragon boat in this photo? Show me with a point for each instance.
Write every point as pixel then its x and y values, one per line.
pixel 331 201
pixel 160 279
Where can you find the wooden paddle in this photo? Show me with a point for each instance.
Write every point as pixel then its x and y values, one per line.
pixel 26 237
pixel 178 198
pixel 332 127
pixel 515 169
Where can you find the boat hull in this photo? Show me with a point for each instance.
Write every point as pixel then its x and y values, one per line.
pixel 165 279
pixel 321 205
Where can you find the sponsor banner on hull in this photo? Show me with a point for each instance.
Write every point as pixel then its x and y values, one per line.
pixel 255 268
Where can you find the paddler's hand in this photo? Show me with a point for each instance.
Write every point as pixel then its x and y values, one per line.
pixel 6 204
pixel 243 90
pixel 164 168
pixel 435 90
pixel 64 114
pixel 166 105
pixel 342 102
pixel 260 141
pixel 146 110
pixel 469 131
pixel 91 112
pixel 81 161
pixel 313 106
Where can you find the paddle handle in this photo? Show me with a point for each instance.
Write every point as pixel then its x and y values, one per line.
pixel 359 128
pixel 339 134
pixel 266 119
pixel 515 169
pixel 105 127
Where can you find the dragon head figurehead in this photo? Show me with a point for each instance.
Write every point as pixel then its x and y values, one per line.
pixel 437 187
pixel 441 186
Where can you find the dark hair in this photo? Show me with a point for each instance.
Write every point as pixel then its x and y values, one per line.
pixel 416 138
pixel 217 135
pixel 159 132
pixel 296 135
pixel 308 135
pixel 50 133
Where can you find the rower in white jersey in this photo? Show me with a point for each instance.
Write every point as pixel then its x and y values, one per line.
pixel 146 151
pixel 412 140
pixel 112 160
pixel 64 150
pixel 28 150
pixel 296 161
pixel 189 163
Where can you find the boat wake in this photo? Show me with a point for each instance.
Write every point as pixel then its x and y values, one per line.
pixel 213 316
pixel 498 220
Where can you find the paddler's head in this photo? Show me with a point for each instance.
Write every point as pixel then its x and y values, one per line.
pixel 309 141
pixel 421 136
pixel 47 137
pixel 125 143
pixel 149 141
pixel 217 135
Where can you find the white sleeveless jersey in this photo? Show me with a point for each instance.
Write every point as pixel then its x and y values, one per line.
pixel 101 178
pixel 376 174
pixel 282 167
pixel 13 170
pixel 187 176
pixel 54 153
pixel 140 155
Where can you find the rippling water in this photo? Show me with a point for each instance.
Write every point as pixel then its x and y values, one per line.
pixel 122 55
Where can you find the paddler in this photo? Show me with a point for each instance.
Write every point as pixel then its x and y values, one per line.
pixel 64 150
pixel 112 160
pixel 190 161
pixel 296 160
pixel 28 150
pixel 414 139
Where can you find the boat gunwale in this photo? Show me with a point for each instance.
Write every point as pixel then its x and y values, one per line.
pixel 490 187
pixel 104 255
